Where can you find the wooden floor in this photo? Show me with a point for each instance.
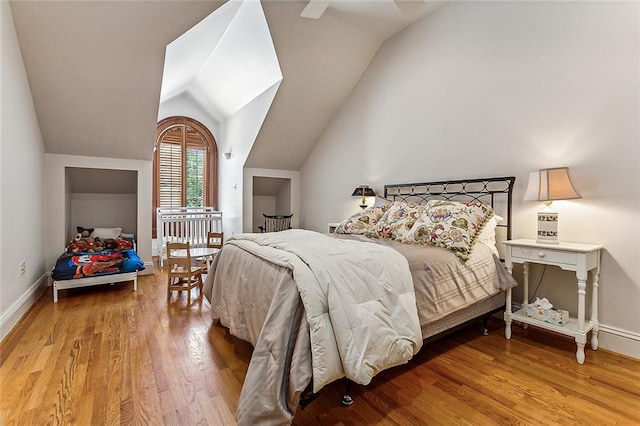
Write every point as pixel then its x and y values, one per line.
pixel 108 355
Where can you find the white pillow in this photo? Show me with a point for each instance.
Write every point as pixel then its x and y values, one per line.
pixel 488 234
pixel 104 233
pixel 381 202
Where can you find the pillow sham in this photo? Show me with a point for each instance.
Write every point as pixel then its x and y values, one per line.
pixel 104 233
pixel 360 222
pixel 396 223
pixel 452 225
pixel 488 234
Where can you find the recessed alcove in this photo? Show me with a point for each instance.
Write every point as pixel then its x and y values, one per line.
pixel 102 198
pixel 270 196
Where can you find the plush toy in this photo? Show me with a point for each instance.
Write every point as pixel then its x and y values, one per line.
pixel 83 242
pixel 97 244
pixel 84 232
pixel 110 244
pixel 87 245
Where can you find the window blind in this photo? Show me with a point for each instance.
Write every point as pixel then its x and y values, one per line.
pixel 182 174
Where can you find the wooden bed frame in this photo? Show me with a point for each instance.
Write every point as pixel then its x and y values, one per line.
pixel 91 281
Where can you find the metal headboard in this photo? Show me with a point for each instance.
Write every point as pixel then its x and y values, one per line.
pixel 497 192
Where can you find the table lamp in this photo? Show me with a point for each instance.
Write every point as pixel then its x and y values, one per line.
pixel 548 185
pixel 363 191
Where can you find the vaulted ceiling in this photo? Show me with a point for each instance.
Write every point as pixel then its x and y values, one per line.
pixel 95 69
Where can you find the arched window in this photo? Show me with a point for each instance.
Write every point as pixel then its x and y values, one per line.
pixel 185 165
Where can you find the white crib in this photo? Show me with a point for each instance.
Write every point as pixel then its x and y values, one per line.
pixel 186 224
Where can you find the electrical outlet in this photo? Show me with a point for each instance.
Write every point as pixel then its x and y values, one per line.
pixel 23 267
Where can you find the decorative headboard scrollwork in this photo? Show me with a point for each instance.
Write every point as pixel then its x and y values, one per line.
pixel 496 192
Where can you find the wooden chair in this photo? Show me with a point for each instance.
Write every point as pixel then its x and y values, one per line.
pixel 214 240
pixel 276 223
pixel 181 275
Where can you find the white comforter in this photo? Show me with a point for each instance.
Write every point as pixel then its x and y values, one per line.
pixel 358 298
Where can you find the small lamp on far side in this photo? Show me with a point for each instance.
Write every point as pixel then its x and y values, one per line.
pixel 548 185
pixel 363 191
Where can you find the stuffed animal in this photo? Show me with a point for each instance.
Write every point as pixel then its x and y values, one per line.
pixel 110 244
pixel 83 242
pixel 84 232
pixel 86 245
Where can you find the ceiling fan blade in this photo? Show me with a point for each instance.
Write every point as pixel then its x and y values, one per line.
pixel 315 9
pixel 409 6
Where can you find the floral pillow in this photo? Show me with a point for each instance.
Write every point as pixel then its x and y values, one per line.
pixel 362 221
pixel 451 224
pixel 396 222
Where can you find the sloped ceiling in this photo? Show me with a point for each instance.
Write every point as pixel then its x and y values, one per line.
pixel 95 70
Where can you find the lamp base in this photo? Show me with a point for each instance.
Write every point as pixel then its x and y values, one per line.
pixel 539 241
pixel 547 227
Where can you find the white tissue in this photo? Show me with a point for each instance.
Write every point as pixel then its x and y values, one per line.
pixel 542 303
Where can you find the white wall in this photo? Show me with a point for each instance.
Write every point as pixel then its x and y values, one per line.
pixel 283 198
pixel 238 134
pixel 22 207
pixel 183 106
pixel 504 88
pixel 262 204
pixel 104 211
pixel 58 203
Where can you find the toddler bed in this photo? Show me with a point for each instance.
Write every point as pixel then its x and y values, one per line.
pixel 319 307
pixel 97 256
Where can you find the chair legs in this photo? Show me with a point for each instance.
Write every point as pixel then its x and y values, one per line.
pixel 179 286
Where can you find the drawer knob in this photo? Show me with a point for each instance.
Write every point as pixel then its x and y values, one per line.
pixel 541 254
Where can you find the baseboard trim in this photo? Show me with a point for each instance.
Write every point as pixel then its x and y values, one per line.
pixel 21 306
pixel 620 341
pixel 149 268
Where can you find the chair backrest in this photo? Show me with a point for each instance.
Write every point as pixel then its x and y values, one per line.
pixel 178 263
pixel 215 239
pixel 276 223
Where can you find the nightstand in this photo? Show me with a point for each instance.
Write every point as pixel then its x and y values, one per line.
pixel 580 258
pixel 332 226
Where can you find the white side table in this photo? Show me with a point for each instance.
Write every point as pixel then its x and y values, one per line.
pixel 580 258
pixel 331 226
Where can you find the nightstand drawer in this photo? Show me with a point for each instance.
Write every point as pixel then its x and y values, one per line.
pixel 542 254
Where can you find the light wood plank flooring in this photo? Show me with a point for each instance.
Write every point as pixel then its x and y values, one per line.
pixel 108 355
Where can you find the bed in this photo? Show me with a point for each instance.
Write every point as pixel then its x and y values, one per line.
pixel 319 307
pixel 96 256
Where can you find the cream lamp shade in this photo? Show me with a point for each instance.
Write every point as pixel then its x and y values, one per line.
pixel 548 185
